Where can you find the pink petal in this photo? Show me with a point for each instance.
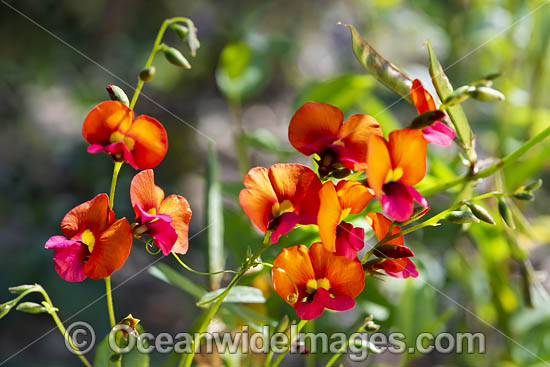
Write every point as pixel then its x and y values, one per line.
pixel 393 251
pixel 310 310
pixel 439 134
pixel 349 240
pixel 68 257
pixel 95 148
pixel 409 270
pixel 340 303
pixel 282 225
pixel 344 155
pixel 160 228
pixel 417 197
pixel 397 202
pixel 320 144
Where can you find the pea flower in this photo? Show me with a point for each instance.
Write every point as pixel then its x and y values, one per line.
pixel 95 244
pixel 318 128
pixel 280 197
pixel 438 133
pixel 336 203
pixel 312 279
pixel 394 255
pixel 166 220
pixel 394 167
pixel 111 127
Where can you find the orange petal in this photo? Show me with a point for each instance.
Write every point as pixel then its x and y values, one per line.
pixel 178 208
pixel 94 215
pixel 313 121
pixel 408 152
pixel 381 225
pixel 144 192
pixel 297 266
pixel 346 276
pixel 151 142
pixel 421 98
pixel 353 195
pixel 110 251
pixel 291 181
pixel 378 163
pixel 355 132
pixel 258 197
pixel 329 215
pixel 104 119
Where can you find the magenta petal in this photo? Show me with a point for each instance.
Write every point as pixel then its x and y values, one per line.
pixel 128 157
pixel 95 148
pixel 282 225
pixel 68 257
pixel 340 303
pixel 417 197
pixel 409 270
pixel 393 251
pixel 439 134
pixel 343 155
pixel 397 202
pixel 319 145
pixel 349 240
pixel 146 217
pixel 310 310
pixel 164 233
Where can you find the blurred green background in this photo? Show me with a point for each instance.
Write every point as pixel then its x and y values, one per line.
pixel 258 62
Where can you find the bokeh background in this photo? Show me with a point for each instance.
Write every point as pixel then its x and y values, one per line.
pixel 258 62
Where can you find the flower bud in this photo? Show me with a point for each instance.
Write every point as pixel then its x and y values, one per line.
pixel 181 30
pixel 147 74
pixel 524 195
pixel 21 288
pixel 480 213
pixel 427 119
pixel 117 94
pixel 532 186
pixel 175 57
pixel 506 213
pixel 483 93
pixel 461 217
pixel 459 95
pixel 31 307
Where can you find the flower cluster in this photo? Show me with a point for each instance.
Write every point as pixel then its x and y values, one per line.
pixel 95 244
pixel 354 164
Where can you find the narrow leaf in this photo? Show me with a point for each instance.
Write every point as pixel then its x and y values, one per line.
pixel 237 294
pixel 171 276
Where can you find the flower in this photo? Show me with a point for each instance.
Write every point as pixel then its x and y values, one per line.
pixel 394 167
pixel 316 279
pixel 318 128
pixel 438 133
pixel 95 244
pixel 394 255
pixel 111 127
pixel 166 220
pixel 279 198
pixel 336 203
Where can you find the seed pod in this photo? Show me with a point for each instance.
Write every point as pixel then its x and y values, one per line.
pixel 461 217
pixel 175 57
pixel 117 94
pixel 533 185
pixel 426 119
pixel 180 30
pixel 524 195
pixel 147 74
pixel 483 93
pixel 459 95
pixel 506 213
pixel 31 307
pixel 480 213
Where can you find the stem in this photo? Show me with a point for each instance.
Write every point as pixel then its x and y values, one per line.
pixel 201 272
pixel 301 325
pixel 507 160
pixel 110 306
pixel 345 346
pixel 187 359
pixel 116 170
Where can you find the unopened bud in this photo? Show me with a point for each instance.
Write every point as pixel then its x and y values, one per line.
pixel 427 119
pixel 341 173
pixel 175 57
pixel 481 213
pixel 461 217
pixel 533 185
pixel 117 94
pixel 21 288
pixel 459 95
pixel 147 73
pixel 484 93
pixel 180 30
pixel 506 213
pixel 31 307
pixel 524 195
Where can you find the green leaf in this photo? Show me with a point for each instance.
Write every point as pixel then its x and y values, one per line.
pixel 214 219
pixel 237 294
pixel 444 90
pixel 264 140
pixel 171 276
pixel 134 358
pixel 383 70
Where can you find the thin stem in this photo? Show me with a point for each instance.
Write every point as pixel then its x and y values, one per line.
pixel 507 160
pixel 110 306
pixel 345 346
pixel 301 325
pixel 116 170
pixel 187 359
pixel 201 272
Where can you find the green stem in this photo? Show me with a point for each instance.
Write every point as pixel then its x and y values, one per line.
pixel 116 170
pixel 110 306
pixel 301 325
pixel 345 346
pixel 507 160
pixel 201 272
pixel 187 359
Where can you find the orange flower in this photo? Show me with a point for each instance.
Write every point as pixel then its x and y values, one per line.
pixel 281 197
pixel 437 133
pixel 110 127
pixel 95 244
pixel 393 255
pixel 319 128
pixel 166 220
pixel 336 203
pixel 321 279
pixel 394 167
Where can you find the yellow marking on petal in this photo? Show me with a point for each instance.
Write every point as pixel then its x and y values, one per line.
pixel 279 209
pixel 117 136
pixel 152 211
pixel 311 286
pixel 344 214
pixel 323 283
pixel 339 142
pixel 394 175
pixel 88 239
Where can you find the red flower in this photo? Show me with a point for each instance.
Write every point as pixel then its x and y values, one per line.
pixel 110 127
pixel 394 254
pixel 321 278
pixel 166 220
pixel 438 133
pixel 280 197
pixel 95 245
pixel 319 128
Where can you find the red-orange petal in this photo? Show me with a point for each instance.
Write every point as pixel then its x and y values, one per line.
pixel 291 181
pixel 257 198
pixel 346 276
pixel 353 195
pixel 94 215
pixel 423 100
pixel 144 192
pixel 151 142
pixel 296 263
pixel 178 208
pixel 381 225
pixel 111 249
pixel 104 119
pixel 408 152
pixel 355 132
pixel 378 163
pixel 329 215
pixel 311 122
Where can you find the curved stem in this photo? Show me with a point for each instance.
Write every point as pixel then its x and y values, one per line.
pixel 116 170
pixel 335 357
pixel 301 325
pixel 201 272
pixel 187 359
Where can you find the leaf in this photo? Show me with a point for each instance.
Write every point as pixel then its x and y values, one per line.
pixel 263 139
pixel 237 294
pixel 171 276
pixel 133 358
pixel 214 219
pixel 456 113
pixel 383 70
